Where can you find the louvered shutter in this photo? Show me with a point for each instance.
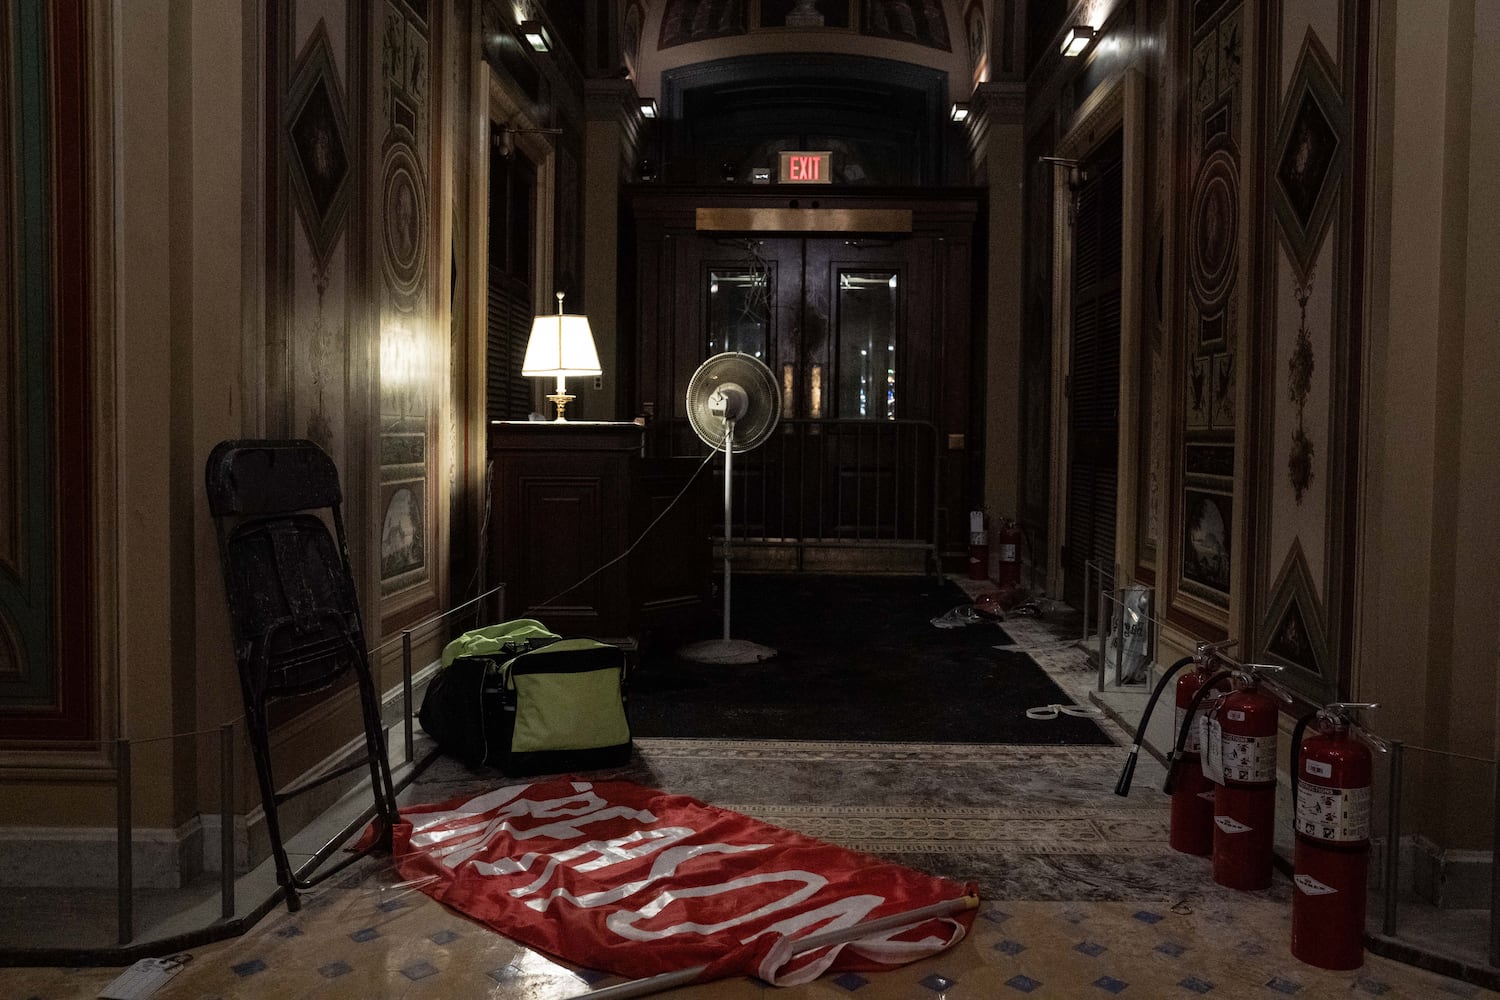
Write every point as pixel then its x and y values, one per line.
pixel 1094 385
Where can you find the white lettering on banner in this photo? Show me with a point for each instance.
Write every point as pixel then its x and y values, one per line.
pixel 623 922
pixel 1338 814
pixel 605 853
pixel 663 868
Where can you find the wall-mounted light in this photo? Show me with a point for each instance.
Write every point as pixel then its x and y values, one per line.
pixel 536 36
pixel 959 112
pixel 1077 39
pixel 648 107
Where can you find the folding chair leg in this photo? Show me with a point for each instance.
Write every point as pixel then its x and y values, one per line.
pixel 260 748
pixel 380 769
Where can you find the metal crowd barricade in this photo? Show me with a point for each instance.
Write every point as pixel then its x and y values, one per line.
pixel 832 484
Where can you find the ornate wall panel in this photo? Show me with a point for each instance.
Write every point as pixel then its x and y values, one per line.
pixel 1215 132
pixel 1306 385
pixel 412 349
pixel 47 667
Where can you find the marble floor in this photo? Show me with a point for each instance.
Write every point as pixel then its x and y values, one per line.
pixel 1081 897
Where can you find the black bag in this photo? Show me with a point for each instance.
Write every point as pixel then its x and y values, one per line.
pixel 517 697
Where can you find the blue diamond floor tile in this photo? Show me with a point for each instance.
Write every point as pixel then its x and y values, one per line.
pixel 1024 984
pixel 995 916
pixel 1285 986
pixel 444 937
pixel 366 934
pixel 1092 949
pixel 1196 985
pixel 1171 949
pixel 1074 917
pixel 335 969
pixel 1010 947
pixel 289 932
pixel 850 981
pixel 1371 986
pixel 391 904
pixel 937 984
pixel 419 970
pixel 1110 984
pixel 1147 917
pixel 249 968
pixel 591 976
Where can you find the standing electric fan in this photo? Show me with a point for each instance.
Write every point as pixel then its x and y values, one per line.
pixel 732 405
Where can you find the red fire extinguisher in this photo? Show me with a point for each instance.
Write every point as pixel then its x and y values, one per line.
pixel 1008 571
pixel 1192 793
pixel 1192 829
pixel 1239 755
pixel 1331 800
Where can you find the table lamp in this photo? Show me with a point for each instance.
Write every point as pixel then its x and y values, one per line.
pixel 561 345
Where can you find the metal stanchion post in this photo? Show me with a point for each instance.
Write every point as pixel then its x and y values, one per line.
pixel 1495 880
pixel 124 874
pixel 1087 573
pixel 226 820
pixel 1100 625
pixel 1392 842
pixel 406 690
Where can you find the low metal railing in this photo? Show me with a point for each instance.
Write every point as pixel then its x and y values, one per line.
pixel 125 750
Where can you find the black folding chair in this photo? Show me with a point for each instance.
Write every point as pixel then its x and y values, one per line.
pixel 295 616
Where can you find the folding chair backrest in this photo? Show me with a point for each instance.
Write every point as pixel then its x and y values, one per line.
pixel 291 591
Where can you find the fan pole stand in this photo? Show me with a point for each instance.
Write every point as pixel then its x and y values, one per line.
pixel 727 650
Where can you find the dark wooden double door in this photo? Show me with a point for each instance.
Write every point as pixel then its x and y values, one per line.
pixel 867 336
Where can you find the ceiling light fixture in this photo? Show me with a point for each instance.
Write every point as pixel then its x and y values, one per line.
pixel 959 112
pixel 648 107
pixel 536 36
pixel 1077 39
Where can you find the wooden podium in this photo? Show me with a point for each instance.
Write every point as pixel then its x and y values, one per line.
pixel 568 498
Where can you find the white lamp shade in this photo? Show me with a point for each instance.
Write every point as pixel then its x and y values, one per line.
pixel 561 345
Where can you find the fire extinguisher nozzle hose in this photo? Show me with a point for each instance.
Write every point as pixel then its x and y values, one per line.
pixel 1188 718
pixel 1122 787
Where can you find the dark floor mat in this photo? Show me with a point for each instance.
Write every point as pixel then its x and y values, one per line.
pixel 858 659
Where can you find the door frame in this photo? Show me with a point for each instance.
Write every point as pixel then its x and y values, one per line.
pixel 1119 104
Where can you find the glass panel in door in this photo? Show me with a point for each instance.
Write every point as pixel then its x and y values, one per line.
pixel 868 317
pixel 739 312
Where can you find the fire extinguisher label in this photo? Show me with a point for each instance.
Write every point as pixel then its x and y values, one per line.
pixel 1007 553
pixel 1312 886
pixel 1213 750
pixel 1230 825
pixel 1341 815
pixel 1194 741
pixel 1319 769
pixel 1249 758
pixel 1235 715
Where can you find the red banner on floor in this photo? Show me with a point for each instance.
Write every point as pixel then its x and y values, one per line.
pixel 630 880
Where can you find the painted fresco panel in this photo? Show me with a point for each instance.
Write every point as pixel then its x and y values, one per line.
pixel 1211 303
pixel 411 348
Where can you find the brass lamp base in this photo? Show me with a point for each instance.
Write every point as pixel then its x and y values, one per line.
pixel 562 399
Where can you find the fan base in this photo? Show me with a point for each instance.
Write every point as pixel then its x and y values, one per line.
pixel 725 651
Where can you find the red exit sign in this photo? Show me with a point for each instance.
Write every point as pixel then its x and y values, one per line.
pixel 806 168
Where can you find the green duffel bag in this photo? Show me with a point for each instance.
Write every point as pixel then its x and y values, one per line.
pixel 564 709
pixel 517 697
